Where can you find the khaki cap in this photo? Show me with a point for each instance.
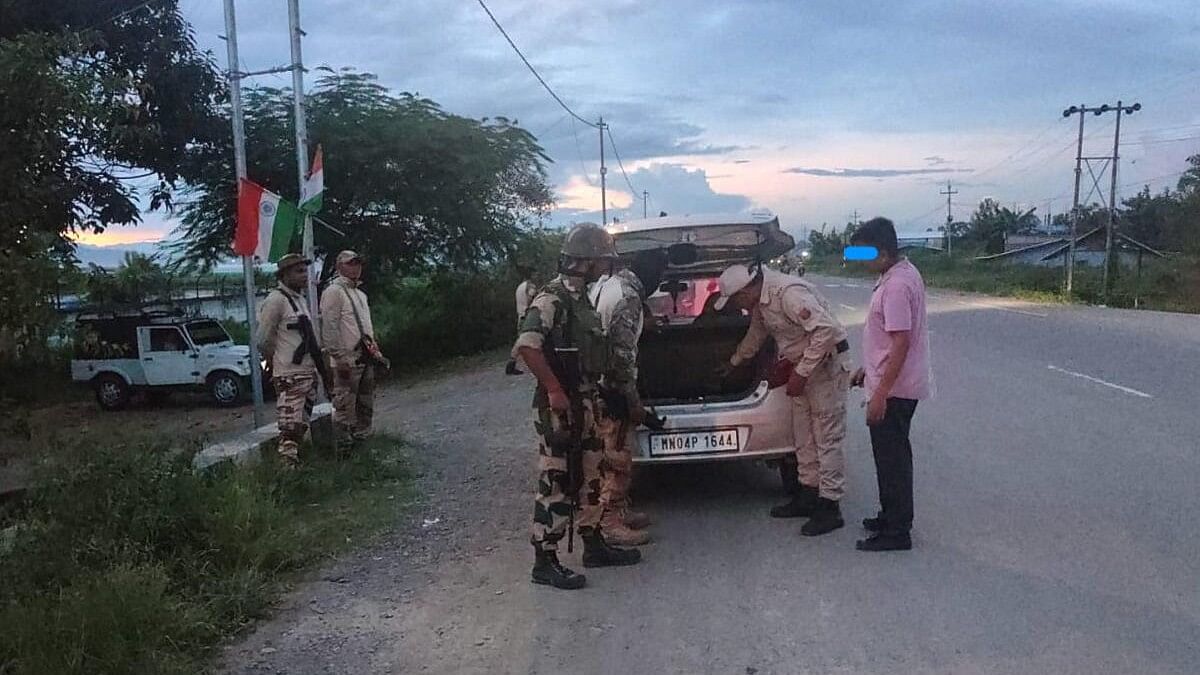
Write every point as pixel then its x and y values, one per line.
pixel 348 256
pixel 730 282
pixel 290 260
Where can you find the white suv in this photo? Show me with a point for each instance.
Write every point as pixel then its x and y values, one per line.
pixel 708 417
pixel 121 354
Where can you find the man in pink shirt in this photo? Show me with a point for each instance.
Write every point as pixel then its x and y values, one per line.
pixel 896 374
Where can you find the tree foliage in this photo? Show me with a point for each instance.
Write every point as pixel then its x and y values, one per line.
pixel 991 223
pixel 98 94
pixel 412 186
pixel 98 97
pixel 139 279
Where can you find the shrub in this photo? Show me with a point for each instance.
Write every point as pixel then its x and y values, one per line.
pixel 126 560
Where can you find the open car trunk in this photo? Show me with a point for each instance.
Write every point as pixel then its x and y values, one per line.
pixel 678 363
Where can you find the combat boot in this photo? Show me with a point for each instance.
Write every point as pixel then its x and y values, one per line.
pixel 597 552
pixel 634 520
pixel 618 533
pixel 802 505
pixel 827 517
pixel 549 572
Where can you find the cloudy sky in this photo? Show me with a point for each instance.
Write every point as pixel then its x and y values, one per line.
pixel 811 109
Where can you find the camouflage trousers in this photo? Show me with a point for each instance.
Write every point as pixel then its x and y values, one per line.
pixel 618 462
pixel 353 404
pixel 552 503
pixel 294 398
pixel 819 428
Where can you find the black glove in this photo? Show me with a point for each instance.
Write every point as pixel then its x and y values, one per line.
pixel 653 422
pixel 616 405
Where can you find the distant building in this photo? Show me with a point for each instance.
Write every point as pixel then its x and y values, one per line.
pixel 1050 251
pixel 930 239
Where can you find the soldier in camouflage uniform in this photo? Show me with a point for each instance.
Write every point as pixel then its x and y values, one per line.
pixel 563 345
pixel 621 303
pixel 280 338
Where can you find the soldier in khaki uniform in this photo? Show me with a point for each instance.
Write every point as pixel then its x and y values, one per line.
pixel 281 338
pixel 563 345
pixel 809 337
pixel 345 323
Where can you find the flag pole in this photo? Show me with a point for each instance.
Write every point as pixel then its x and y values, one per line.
pixel 239 162
pixel 302 144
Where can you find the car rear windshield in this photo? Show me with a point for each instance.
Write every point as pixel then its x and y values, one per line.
pixel 207 333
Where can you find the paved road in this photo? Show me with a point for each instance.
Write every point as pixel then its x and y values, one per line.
pixel 1056 470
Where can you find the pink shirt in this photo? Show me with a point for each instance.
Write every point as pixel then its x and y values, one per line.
pixel 898 304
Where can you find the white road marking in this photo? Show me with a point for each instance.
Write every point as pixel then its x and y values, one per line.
pixel 846 307
pixel 998 308
pixel 1089 378
pixel 852 285
pixel 833 285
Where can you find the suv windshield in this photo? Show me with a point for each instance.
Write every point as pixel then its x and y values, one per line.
pixel 207 333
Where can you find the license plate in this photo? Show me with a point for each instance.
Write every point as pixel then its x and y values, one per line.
pixel 692 442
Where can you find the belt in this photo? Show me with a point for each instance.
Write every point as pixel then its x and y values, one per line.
pixel 843 346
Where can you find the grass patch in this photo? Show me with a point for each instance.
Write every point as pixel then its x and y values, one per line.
pixel 124 560
pixel 1169 285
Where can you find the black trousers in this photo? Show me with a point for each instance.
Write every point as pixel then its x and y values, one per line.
pixel 893 465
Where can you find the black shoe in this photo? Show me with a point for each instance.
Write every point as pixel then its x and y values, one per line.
pixel 885 542
pixel 801 506
pixel 597 552
pixel 827 517
pixel 549 572
pixel 511 369
pixel 876 524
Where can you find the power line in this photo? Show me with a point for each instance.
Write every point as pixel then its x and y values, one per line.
pixel 121 15
pixel 1162 140
pixel 616 154
pixel 579 152
pixel 532 69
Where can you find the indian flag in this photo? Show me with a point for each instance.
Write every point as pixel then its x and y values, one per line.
pixel 314 186
pixel 266 224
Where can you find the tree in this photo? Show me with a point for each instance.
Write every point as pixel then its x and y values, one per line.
pixel 97 96
pixel 992 223
pixel 413 186
pixel 1146 216
pixel 138 280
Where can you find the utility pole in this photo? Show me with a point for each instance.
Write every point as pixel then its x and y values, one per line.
pixel 1112 198
pixel 1112 163
pixel 645 200
pixel 603 177
pixel 949 192
pixel 302 144
pixel 239 163
pixel 1069 262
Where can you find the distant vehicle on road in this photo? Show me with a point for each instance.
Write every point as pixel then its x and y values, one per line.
pixel 709 417
pixel 121 354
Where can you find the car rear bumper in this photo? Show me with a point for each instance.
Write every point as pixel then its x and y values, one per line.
pixel 763 421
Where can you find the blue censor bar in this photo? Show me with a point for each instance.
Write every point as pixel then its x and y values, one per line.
pixel 860 253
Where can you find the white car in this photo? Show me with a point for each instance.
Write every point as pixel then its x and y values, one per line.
pixel 121 354
pixel 709 418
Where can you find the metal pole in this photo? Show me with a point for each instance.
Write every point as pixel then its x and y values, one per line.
pixel 950 191
pixel 1112 204
pixel 1070 261
pixel 239 163
pixel 302 143
pixel 645 199
pixel 603 179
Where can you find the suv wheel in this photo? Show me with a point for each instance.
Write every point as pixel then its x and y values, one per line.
pixel 112 393
pixel 225 388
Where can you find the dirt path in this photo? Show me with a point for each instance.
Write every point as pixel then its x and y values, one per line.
pixel 378 609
